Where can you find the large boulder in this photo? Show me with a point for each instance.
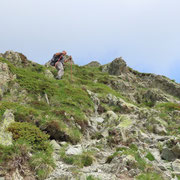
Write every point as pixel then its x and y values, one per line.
pixel 5 136
pixel 116 67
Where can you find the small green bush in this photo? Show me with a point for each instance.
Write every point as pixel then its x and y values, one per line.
pixel 30 133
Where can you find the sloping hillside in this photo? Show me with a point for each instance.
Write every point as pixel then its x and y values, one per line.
pixel 103 122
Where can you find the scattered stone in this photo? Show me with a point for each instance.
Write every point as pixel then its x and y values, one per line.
pixel 74 150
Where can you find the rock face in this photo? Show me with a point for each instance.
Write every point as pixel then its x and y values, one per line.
pixel 6 137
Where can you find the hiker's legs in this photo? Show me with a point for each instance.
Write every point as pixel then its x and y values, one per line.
pixel 60 68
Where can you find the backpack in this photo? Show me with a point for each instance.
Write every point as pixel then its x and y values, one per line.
pixel 54 60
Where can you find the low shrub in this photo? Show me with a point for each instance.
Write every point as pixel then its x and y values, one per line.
pixel 30 133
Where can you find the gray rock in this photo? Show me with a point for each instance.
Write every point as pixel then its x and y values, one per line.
pixel 5 77
pixel 48 74
pixel 116 67
pixel 82 177
pixel 105 133
pixel 15 58
pixel 55 145
pixel 159 129
pixel 168 155
pixel 154 95
pixel 97 119
pixel 176 150
pixel 176 165
pixel 110 116
pixel 5 136
pixel 124 107
pixel 74 150
pixel 95 99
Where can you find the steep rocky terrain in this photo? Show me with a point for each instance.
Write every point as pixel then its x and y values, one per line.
pixel 105 122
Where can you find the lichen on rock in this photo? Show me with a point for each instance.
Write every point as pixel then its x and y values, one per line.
pixel 5 136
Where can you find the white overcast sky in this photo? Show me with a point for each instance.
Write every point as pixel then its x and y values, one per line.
pixel 146 33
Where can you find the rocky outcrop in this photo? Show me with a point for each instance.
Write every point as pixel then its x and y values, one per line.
pixel 5 77
pixel 94 64
pixel 116 67
pixel 5 136
pixel 16 58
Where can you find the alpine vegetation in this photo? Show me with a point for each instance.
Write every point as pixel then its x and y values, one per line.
pixel 92 122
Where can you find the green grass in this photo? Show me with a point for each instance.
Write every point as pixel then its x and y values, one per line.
pixel 169 106
pixel 18 155
pixel 133 151
pixel 67 95
pixel 92 178
pixel 42 163
pixel 84 159
pixel 150 157
pixel 149 176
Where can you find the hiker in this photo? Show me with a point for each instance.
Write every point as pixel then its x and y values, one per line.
pixel 58 61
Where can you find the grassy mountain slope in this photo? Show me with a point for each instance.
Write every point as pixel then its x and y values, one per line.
pixel 45 108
